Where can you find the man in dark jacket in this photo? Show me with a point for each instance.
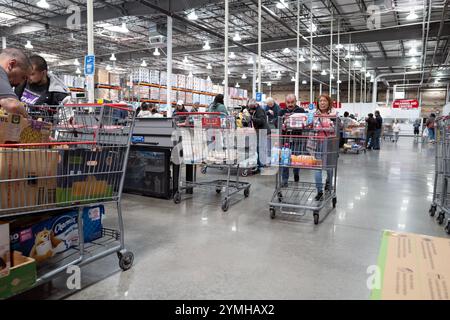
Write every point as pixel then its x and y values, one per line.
pixel 371 129
pixel 378 130
pixel 41 88
pixel 291 107
pixel 259 122
pixel 272 111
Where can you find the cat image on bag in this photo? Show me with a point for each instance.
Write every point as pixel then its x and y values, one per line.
pixel 44 246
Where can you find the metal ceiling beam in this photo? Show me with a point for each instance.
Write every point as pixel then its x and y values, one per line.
pixel 133 8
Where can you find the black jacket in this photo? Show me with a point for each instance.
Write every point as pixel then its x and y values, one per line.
pixel 371 124
pixel 273 118
pixel 259 119
pixel 379 120
pixel 297 109
pixel 55 93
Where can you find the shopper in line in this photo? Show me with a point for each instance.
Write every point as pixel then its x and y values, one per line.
pixel 195 107
pixel 430 124
pixel 396 129
pixel 272 111
pixel 218 105
pixel 315 143
pixel 144 110
pixel 259 123
pixel 180 108
pixel 378 130
pixel 42 87
pixel 371 129
pixel 291 108
pixel 15 67
pixel 416 127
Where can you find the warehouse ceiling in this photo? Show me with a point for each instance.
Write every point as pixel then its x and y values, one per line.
pixel 383 37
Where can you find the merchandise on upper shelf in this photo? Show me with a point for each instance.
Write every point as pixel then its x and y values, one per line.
pixel 101 76
pixel 163 78
pixel 114 79
pixel 154 93
pixel 181 81
pixel 189 83
pixel 141 75
pixel 154 77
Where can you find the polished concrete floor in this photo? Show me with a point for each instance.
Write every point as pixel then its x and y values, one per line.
pixel 195 251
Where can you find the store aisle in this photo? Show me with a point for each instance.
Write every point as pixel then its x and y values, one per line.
pixel 195 251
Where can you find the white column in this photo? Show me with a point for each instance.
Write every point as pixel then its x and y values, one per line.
pixel 354 86
pixel 225 91
pixel 3 42
pixel 259 45
pixel 331 52
pixel 90 38
pixel 297 74
pixel 311 94
pixel 169 66
pixel 254 77
pixel 338 76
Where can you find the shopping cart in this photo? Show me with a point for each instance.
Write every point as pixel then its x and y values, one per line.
pixel 355 137
pixel 441 190
pixel 388 132
pixel 82 164
pixel 210 139
pixel 309 144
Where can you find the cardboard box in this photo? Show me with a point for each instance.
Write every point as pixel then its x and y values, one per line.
pixel 114 79
pixel 101 76
pixel 189 98
pixel 5 257
pixel 55 234
pixel 412 267
pixel 102 94
pixel 33 167
pixel 22 276
pixel 154 93
pixel 15 128
pixel 85 174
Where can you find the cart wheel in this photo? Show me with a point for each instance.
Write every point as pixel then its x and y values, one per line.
pixel 225 205
pixel 125 260
pixel 244 173
pixel 247 192
pixel 447 227
pixel 316 217
pixel 203 170
pixel 280 197
pixel 432 211
pixel 218 190
pixel 177 197
pixel 441 217
pixel 334 202
pixel 272 213
pixel 357 152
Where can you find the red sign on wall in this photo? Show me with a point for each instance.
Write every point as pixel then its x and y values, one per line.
pixel 405 104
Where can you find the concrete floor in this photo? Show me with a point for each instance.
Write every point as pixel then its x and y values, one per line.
pixel 195 251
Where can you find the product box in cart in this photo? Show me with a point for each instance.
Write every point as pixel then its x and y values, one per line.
pixel 15 128
pixel 22 276
pixel 51 235
pixel 85 174
pixel 33 172
pixel 5 255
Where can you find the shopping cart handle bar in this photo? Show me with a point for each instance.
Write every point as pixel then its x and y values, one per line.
pixel 301 136
pixel 119 106
pixel 46 144
pixel 195 113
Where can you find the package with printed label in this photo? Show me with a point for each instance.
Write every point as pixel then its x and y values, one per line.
pixel 54 234
pixel 297 121
pixel 5 255
pixel 15 128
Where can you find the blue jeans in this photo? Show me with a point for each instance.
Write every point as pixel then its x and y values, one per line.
pixel 431 133
pixel 376 144
pixel 285 174
pixel 318 178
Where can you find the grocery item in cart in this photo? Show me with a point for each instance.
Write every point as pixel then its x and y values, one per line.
pixel 86 174
pixel 5 259
pixel 30 170
pixel 55 234
pixel 22 276
pixel 297 121
pixel 15 128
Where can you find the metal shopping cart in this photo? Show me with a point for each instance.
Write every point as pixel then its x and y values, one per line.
pixel 310 144
pixel 211 139
pixel 441 190
pixel 82 164
pixel 388 132
pixel 355 137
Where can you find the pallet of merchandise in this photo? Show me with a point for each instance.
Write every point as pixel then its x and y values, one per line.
pixel 163 78
pixel 209 86
pixel 173 96
pixel 189 98
pixel 181 95
pixel 197 84
pixel 220 89
pixel 154 93
pixel 114 79
pixel 141 92
pixel 114 95
pixel 79 82
pixel 174 80
pixel 203 85
pixel 101 76
pixel 163 95
pixel 181 81
pixel 102 94
pixel 154 76
pixel 189 83
pixel 141 75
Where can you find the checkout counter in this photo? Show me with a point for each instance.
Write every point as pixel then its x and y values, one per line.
pixel 150 171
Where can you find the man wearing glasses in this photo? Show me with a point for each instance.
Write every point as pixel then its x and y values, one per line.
pixel 291 107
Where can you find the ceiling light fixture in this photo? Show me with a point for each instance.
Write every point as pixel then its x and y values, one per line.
pixel 286 50
pixel 192 15
pixel 78 71
pixel 339 46
pixel 367 74
pixel 413 60
pixel 229 72
pixel 43 4
pixel 357 64
pixel 185 60
pixel 76 62
pixel 412 15
pixel 413 67
pixel 244 76
pixel 190 74
pixel 223 82
pixel 324 73
pixel 279 74
pixel 314 66
pixel 237 85
pixel 269 84
pixel 156 52
pixel 304 82
pixel 206 46
pixel 332 76
pixel 113 57
pixel 293 79
pixel 313 28
pixel 108 67
pixel 209 67
pixel 282 4
pixel 232 55
pixel 208 79
pixel 143 64
pixel 301 59
pixel 250 60
pixel 237 37
pixel 339 81
pixel 29 45
pixel 412 52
